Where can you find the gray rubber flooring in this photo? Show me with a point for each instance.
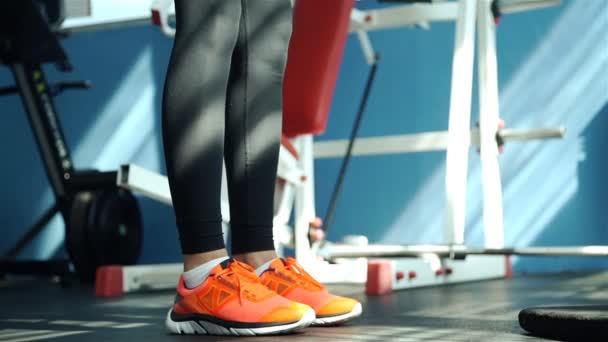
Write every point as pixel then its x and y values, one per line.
pixel 39 310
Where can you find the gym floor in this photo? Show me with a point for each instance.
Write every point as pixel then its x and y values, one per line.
pixel 35 310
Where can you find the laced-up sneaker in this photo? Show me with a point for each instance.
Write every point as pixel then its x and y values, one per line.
pixel 287 278
pixel 233 301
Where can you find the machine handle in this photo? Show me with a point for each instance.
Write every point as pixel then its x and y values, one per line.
pixel 531 134
pixel 54 90
pixel 9 91
pixel 60 87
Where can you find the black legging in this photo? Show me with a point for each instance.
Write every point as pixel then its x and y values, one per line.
pixel 223 99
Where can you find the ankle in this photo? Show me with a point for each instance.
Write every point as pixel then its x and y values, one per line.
pixel 256 259
pixel 194 260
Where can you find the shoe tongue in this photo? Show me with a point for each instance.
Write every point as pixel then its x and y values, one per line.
pixel 278 263
pixel 226 263
pixel 222 266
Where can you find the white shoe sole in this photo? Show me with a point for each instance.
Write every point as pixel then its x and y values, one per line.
pixel 339 319
pixel 201 327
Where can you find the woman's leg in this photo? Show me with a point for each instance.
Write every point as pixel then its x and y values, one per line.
pixel 222 297
pixel 193 121
pixel 253 131
pixel 253 125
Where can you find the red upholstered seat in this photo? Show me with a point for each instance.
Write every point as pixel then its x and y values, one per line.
pixel 315 53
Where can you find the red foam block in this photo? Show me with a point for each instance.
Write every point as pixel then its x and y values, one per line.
pixel 379 277
pixel 108 282
pixel 156 18
pixel 509 267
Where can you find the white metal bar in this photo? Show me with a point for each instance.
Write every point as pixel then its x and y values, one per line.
pixel 284 203
pixel 459 122
pixel 163 9
pixel 422 142
pixel 404 15
pixel 149 183
pixel 387 251
pixel 352 271
pixel 532 134
pixel 156 186
pixel 145 277
pixel 77 8
pixel 304 211
pixel 366 46
pixel 224 202
pixel 390 144
pixel 488 124
pixel 515 6
pixel 283 233
pixel 398 16
pixel 288 169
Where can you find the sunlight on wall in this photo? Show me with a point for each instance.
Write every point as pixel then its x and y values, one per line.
pixel 559 84
pixel 108 11
pixel 123 129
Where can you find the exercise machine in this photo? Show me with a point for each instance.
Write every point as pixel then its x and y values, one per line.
pixel 306 115
pixel 453 261
pixel 103 224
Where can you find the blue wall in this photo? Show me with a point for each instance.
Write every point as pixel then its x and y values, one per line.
pixel 548 76
pixel 552 71
pixel 115 122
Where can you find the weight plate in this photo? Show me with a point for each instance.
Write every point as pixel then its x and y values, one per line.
pixel 115 234
pixel 76 236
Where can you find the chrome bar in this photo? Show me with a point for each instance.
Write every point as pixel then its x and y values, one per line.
pixel 456 251
pixel 532 134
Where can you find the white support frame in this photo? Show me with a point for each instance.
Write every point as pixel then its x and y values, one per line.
pixel 488 122
pixel 297 174
pixel 457 155
pixel 304 211
pixel 473 268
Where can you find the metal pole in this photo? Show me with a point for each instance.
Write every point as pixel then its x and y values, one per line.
pixel 349 151
pixel 396 251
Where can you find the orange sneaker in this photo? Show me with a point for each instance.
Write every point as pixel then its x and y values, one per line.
pixel 233 301
pixel 287 278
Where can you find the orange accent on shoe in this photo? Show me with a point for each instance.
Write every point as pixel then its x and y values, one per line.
pixel 236 294
pixel 287 278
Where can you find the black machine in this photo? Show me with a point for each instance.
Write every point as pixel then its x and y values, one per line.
pixel 103 224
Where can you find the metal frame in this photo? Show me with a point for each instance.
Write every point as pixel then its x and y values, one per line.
pixel 37 98
pixel 40 109
pixel 430 264
pixel 65 180
pixel 430 270
pixel 458 122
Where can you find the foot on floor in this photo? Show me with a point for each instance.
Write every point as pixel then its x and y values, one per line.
pixel 287 278
pixel 233 301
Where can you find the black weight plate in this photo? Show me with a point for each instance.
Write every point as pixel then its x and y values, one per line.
pixel 76 236
pixel 567 323
pixel 116 232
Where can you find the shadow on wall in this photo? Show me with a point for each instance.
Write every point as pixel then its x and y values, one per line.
pixel 115 122
pixel 582 220
pixel 552 70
